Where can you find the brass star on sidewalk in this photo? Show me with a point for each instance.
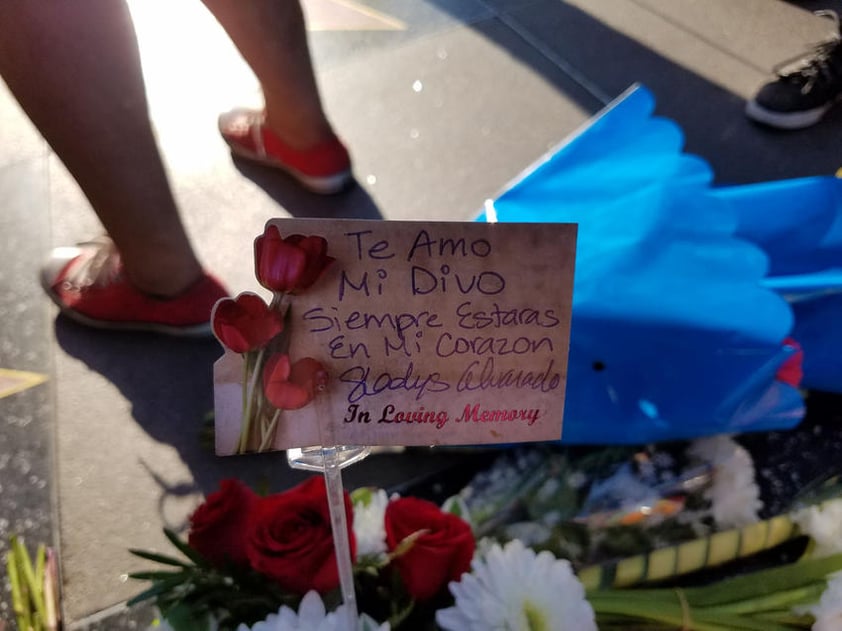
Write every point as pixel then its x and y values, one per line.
pixel 13 381
pixel 347 15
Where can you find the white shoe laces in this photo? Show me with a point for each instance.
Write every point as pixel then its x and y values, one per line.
pixel 97 265
pixel 814 64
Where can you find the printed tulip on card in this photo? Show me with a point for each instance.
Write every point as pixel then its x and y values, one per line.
pixel 273 382
pixel 292 386
pixel 289 265
pixel 245 323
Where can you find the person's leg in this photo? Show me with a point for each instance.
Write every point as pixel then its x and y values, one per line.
pixel 271 36
pixel 293 132
pixel 75 69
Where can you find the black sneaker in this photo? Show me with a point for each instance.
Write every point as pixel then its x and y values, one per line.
pixel 799 98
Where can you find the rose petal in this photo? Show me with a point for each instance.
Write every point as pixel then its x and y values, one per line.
pixel 218 525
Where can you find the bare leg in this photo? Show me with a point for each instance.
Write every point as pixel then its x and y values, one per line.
pixel 271 36
pixel 75 69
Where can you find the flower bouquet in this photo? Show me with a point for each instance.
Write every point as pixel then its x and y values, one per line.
pixel 269 561
pixel 543 539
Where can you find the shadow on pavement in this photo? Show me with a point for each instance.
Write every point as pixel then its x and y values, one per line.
pixel 711 117
pixel 352 203
pixel 169 384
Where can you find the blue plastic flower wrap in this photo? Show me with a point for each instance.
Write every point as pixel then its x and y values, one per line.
pixel 678 330
pixel 798 223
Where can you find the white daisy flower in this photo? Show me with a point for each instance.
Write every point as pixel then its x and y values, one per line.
pixel 734 494
pixel 515 589
pixel 828 611
pixel 823 523
pixel 369 524
pixel 312 616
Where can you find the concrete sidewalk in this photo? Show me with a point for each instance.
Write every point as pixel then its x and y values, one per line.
pixel 442 102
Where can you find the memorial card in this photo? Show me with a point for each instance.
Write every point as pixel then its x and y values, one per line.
pixel 397 333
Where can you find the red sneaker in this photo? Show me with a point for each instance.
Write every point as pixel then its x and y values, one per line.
pixel 88 285
pixel 325 168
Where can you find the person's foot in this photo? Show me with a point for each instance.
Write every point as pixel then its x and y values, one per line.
pixel 88 284
pixel 802 96
pixel 324 168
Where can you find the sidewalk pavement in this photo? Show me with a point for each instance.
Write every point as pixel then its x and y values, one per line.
pixel 442 102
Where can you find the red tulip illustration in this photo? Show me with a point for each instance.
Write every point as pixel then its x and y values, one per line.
pixel 292 386
pixel 245 323
pixel 289 265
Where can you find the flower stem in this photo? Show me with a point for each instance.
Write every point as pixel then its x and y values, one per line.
pixel 777 579
pixel 686 618
pixel 269 434
pixel 785 616
pixel 20 596
pixel 279 302
pixel 244 423
pixel 808 594
pixel 258 427
pixel 242 445
pixel 670 614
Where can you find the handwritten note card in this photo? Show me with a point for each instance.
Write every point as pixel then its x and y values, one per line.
pixel 430 333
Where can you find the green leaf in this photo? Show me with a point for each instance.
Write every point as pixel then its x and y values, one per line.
pixel 674 614
pixel 805 595
pixel 363 495
pixel 158 589
pixel 37 587
pixel 159 558
pixel 185 549
pixel 624 623
pixel 40 564
pixel 185 618
pixel 20 597
pixel 157 576
pixel 765 582
pixel 785 616
pixel 455 505
pixel 742 623
pixel 671 614
pixel 400 613
pixel 34 589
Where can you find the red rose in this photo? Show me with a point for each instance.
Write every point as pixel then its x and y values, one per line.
pixel 245 323
pixel 291 264
pixel 218 526
pixel 292 386
pixel 290 540
pixel 440 555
